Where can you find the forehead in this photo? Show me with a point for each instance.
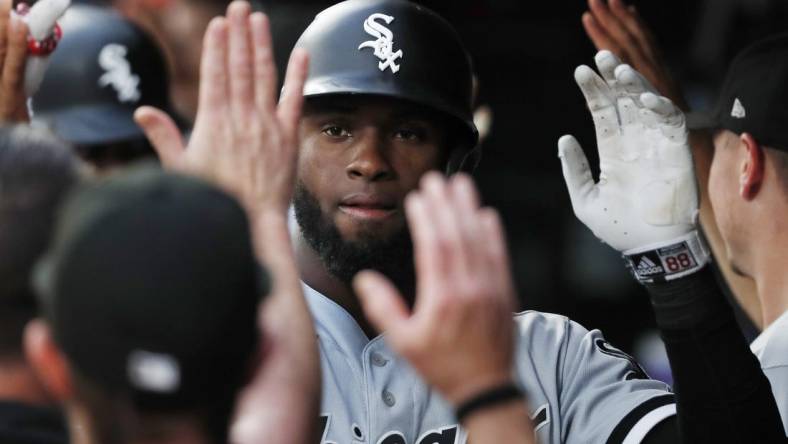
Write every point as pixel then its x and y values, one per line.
pixel 371 107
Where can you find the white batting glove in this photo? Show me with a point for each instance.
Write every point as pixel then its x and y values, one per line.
pixel 645 204
pixel 41 21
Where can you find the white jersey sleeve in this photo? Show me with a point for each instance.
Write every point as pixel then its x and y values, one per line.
pixel 584 388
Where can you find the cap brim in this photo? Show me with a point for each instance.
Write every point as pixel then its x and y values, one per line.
pixel 96 124
pixel 701 120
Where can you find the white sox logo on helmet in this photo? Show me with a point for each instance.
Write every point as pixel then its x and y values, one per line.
pixel 118 74
pixel 384 43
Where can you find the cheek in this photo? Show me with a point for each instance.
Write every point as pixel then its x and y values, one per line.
pixel 722 194
pixel 315 171
pixel 413 162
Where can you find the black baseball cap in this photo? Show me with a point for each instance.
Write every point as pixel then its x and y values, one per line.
pixel 152 289
pixel 754 96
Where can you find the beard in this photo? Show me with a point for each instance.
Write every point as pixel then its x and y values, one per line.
pixel 390 255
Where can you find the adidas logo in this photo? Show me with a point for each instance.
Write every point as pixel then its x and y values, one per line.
pixel 738 110
pixel 647 267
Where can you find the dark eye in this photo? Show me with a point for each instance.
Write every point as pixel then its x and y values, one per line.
pixel 410 134
pixel 335 131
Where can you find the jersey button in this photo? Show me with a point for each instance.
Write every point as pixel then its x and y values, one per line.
pixel 388 398
pixel 378 360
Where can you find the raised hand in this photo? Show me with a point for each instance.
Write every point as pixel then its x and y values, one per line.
pixel 646 197
pixel 13 56
pixel 459 335
pixel 616 27
pixel 247 144
pixel 242 139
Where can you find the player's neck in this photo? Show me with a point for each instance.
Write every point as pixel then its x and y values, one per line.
pixel 19 383
pixel 314 274
pixel 168 430
pixel 771 278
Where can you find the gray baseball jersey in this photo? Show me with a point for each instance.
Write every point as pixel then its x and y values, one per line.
pixel 771 348
pixel 580 388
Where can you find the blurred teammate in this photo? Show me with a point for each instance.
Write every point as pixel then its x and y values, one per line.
pixel 134 340
pixel 103 69
pixel 35 173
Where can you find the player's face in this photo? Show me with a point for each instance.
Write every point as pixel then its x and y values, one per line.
pixel 724 193
pixel 360 157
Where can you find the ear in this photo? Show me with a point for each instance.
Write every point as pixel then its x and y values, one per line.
pixel 47 360
pixel 752 167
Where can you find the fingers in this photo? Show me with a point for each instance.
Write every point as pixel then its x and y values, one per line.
pixel 630 20
pixel 577 173
pixel 600 101
pixel 264 65
pixel 466 198
pixel 383 306
pixel 611 25
pixel 162 133
pixel 425 255
pixel 599 37
pixel 495 255
pixel 241 80
pixel 5 16
pixel 13 73
pixel 632 81
pixel 667 115
pixel 213 69
pixel 629 86
pixel 450 239
pixel 607 63
pixel 292 101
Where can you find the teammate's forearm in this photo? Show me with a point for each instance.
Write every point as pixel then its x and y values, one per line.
pixel 722 394
pixel 503 423
pixel 291 394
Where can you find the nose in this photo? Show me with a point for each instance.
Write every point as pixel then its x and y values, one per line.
pixel 370 161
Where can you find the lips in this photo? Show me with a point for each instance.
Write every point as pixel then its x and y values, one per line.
pixel 368 206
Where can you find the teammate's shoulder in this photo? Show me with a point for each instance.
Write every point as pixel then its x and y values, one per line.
pixel 533 317
pixel 771 347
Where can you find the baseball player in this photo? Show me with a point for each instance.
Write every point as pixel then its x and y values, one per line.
pixel 36 171
pixel 748 189
pixel 619 28
pixel 644 151
pixel 133 339
pixel 388 98
pixel 105 67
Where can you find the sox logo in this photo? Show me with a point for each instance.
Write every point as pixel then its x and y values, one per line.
pixel 384 43
pixel 118 73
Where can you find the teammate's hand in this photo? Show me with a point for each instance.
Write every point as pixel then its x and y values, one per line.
pixel 242 140
pixel 13 57
pixel 614 26
pixel 459 336
pixel 646 192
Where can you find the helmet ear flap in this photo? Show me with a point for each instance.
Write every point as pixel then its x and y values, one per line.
pixel 463 160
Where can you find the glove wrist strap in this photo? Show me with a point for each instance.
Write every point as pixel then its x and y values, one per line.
pixel 669 260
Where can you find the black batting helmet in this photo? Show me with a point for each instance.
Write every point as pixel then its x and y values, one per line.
pixel 397 49
pixel 103 69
